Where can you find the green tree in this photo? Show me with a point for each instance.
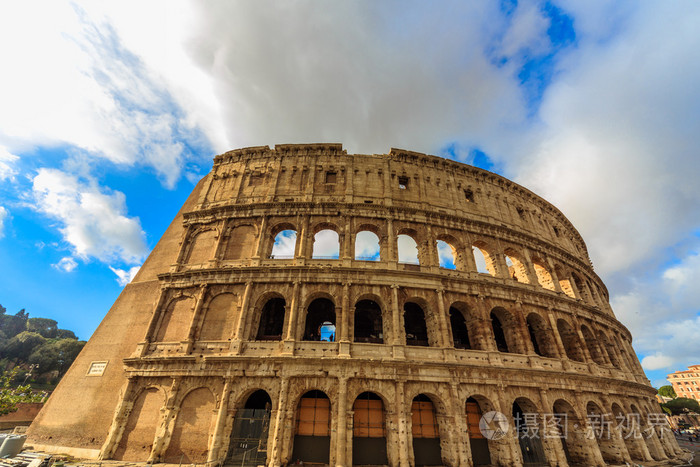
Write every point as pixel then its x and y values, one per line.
pixel 667 391
pixel 21 346
pixel 677 405
pixel 11 396
pixel 56 354
pixel 65 334
pixel 44 326
pixel 12 325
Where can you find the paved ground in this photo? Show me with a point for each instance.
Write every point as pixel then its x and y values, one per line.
pixel 693 446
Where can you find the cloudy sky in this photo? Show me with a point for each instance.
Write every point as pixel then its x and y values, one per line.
pixel 109 113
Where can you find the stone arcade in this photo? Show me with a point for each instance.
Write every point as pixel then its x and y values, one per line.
pixel 226 347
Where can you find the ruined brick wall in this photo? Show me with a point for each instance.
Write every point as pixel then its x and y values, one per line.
pixel 517 322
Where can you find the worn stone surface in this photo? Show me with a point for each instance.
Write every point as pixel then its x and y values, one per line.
pixel 212 318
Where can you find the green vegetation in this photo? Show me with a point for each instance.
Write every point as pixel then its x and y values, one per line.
pixel 35 350
pixel 667 391
pixel 678 405
pixel 10 396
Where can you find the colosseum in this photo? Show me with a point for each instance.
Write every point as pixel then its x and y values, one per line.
pixel 312 306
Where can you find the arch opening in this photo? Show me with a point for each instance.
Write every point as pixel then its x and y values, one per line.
pixel 241 243
pixel 414 325
pixel 601 425
pixel 483 260
pixel 320 321
pixel 218 318
pixel 572 434
pixel 284 246
pixel 447 255
pixel 527 427
pixel 544 277
pixel 326 245
pixel 367 246
pixel 408 249
pixel 592 345
pixel 481 455
pixel 202 247
pixel 248 445
pixel 312 433
pixel 569 338
pixel 425 431
pixel 190 438
pixel 460 334
pixel 368 322
pixel 540 335
pixel 499 335
pixel 271 320
pixel 516 269
pixel 369 431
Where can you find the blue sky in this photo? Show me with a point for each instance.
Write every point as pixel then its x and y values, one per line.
pixel 112 111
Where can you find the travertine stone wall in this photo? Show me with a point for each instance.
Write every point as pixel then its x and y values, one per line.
pixel 187 342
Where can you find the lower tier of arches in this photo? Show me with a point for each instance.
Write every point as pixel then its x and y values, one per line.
pixel 272 418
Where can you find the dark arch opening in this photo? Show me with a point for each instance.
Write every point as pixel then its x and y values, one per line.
pixel 271 320
pixel 369 431
pixel 320 321
pixel 528 431
pixel 312 434
pixel 426 433
pixel 248 445
pixel 460 334
pixel 368 322
pixel 481 455
pixel 498 334
pixel 414 324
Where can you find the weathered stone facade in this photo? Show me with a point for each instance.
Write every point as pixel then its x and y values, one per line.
pixel 177 369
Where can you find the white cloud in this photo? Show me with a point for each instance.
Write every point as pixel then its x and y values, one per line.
pixel 98 96
pixel 7 162
pixel 367 245
pixel 656 362
pixel 285 244
pixel 125 276
pixel 66 264
pixel 408 249
pixel 94 223
pixel 445 255
pixel 326 244
pixel 4 214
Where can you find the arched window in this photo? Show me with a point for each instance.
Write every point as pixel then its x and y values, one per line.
pixel 367 246
pixel 541 336
pixel 408 249
pixel 312 434
pixel 543 275
pixel 176 320
pixel 483 260
pixel 498 334
pixel 414 324
pixel 605 434
pixel 592 345
pixel 572 344
pixel 320 321
pixel 426 432
pixel 460 335
pixel 612 354
pixel 564 282
pixel 368 322
pixel 285 245
pixel 271 320
pixel 446 255
pixel 248 444
pixel 573 434
pixel 369 432
pixel 137 440
pixel 516 269
pixel 326 245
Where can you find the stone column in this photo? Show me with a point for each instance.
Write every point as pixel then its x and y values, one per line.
pixel 442 321
pixel 595 457
pixel 152 324
pixel 195 322
pixel 392 248
pixel 345 316
pixel 510 440
pixel 555 276
pixel 277 426
pixel 401 414
pixel 237 341
pixel 552 445
pixel 291 320
pixel 167 423
pixel 215 449
pixel 121 418
pixel 523 332
pixel 397 332
pixel 262 235
pixel 461 431
pixel 530 268
pixel 615 432
pixel 303 241
pixel 341 439
pixel 557 339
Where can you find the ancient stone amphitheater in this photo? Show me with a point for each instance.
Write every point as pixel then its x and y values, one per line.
pixel 307 305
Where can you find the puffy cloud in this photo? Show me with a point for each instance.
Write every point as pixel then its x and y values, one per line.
pixel 94 223
pixel 656 362
pixel 125 276
pixel 100 97
pixel 7 161
pixel 4 213
pixel 445 255
pixel 66 264
pixel 326 244
pixel 408 249
pixel 367 245
pixel 285 244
